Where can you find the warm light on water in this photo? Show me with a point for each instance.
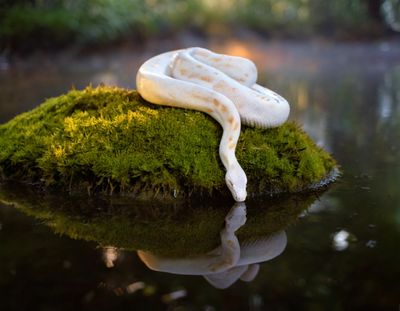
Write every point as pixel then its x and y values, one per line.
pixel 341 254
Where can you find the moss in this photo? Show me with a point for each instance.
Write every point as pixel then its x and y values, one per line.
pixel 109 139
pixel 173 230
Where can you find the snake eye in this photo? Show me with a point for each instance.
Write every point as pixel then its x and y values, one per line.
pixel 230 183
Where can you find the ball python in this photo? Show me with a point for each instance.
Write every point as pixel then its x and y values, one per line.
pixel 230 261
pixel 223 86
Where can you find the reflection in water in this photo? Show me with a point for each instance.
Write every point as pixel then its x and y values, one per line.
pixel 178 238
pixel 134 287
pixel 389 96
pixel 347 97
pixel 168 298
pixel 110 255
pixel 121 224
pixel 340 240
pixel 230 261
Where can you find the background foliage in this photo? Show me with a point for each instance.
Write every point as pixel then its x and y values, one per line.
pixel 43 23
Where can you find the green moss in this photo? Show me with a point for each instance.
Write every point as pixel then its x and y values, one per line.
pixel 109 139
pixel 173 230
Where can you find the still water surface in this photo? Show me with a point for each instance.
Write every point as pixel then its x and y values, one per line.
pixel 343 253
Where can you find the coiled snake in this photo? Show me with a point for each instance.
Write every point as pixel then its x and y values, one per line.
pixel 222 86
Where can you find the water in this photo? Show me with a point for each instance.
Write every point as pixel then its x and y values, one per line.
pixel 340 254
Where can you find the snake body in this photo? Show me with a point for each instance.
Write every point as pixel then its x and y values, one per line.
pixel 230 261
pixel 222 86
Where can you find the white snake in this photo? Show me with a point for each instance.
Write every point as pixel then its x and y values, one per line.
pixel 222 86
pixel 230 261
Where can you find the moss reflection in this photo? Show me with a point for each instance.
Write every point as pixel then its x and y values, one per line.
pixel 230 261
pixel 174 230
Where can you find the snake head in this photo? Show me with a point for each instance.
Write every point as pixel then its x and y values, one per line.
pixel 236 181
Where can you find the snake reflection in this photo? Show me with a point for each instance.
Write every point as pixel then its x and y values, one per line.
pixel 230 261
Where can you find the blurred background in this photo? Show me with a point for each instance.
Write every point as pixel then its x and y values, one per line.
pixel 32 24
pixel 338 64
pixel 49 46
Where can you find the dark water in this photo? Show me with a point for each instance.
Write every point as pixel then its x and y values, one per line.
pixel 342 254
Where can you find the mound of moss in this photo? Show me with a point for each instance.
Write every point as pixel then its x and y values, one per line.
pixel 109 139
pixel 173 230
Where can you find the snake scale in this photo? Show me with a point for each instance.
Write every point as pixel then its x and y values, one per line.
pixel 223 86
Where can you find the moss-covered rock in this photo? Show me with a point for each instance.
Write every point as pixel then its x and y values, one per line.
pixel 109 139
pixel 173 230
